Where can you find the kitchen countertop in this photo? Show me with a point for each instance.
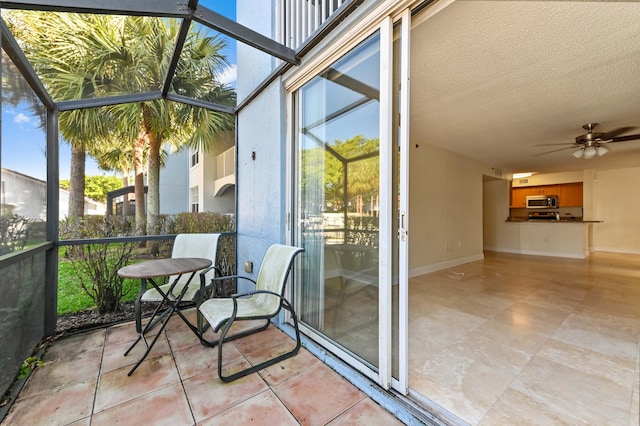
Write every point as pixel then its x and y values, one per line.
pixel 561 220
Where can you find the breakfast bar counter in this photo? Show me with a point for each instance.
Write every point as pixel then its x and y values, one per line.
pixel 560 238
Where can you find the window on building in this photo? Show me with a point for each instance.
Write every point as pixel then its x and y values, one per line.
pixel 195 158
pixel 194 200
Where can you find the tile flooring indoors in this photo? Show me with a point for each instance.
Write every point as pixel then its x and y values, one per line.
pixel 515 339
pixel 529 340
pixel 84 382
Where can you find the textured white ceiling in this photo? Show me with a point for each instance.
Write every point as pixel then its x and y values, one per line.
pixel 492 79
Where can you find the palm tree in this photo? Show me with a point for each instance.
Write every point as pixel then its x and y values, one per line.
pixel 80 127
pixel 54 45
pixel 113 155
pixel 96 55
pixel 163 122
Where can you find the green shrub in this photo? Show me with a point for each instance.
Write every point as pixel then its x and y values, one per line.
pixel 192 223
pixel 87 273
pixel 13 233
pixel 96 265
pixel 71 296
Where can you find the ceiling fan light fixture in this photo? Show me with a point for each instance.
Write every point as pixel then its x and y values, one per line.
pixel 579 153
pixel 602 150
pixel 590 152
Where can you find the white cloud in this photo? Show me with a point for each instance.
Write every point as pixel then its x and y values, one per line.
pixel 21 118
pixel 229 75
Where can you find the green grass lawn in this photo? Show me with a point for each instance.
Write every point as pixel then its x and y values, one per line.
pixel 71 296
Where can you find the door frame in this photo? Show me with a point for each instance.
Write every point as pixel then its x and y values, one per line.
pixel 394 12
pixel 401 382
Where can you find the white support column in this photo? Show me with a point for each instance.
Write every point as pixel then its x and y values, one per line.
pixel 403 308
pixel 385 341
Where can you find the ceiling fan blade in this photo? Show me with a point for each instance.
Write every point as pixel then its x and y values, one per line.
pixel 556 144
pixel 612 134
pixel 555 150
pixel 624 138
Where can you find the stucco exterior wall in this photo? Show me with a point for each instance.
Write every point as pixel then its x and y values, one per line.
pixel 254 65
pixel 24 195
pixel 174 184
pixel 261 182
pixel 27 196
pixel 261 129
pixel 224 203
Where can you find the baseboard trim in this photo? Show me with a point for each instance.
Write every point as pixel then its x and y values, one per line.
pixel 542 253
pixel 615 250
pixel 427 269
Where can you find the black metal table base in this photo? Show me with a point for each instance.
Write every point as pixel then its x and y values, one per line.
pixel 162 317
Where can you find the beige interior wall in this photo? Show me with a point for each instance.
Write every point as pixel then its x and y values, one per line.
pixel 616 201
pixel 445 209
pixel 498 235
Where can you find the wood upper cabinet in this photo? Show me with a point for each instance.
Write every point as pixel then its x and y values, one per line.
pixel 519 197
pixel 519 194
pixel 546 190
pixel 542 190
pixel 570 194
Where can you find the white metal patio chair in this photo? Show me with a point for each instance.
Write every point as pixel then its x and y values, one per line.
pixel 265 302
pixel 185 245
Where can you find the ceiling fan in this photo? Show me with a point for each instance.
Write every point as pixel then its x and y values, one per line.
pixel 593 143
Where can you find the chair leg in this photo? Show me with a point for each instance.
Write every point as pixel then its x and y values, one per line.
pixel 213 343
pixel 264 364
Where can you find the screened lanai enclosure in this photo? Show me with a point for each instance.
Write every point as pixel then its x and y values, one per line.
pixel 131 87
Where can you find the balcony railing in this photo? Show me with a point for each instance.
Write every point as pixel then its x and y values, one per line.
pixel 303 17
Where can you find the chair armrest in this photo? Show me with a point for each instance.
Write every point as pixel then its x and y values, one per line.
pixel 204 272
pixel 201 294
pixel 251 293
pixel 235 297
pixel 206 292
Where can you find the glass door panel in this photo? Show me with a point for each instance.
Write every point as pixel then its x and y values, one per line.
pixel 338 201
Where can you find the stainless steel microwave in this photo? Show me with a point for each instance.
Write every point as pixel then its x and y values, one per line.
pixel 542 202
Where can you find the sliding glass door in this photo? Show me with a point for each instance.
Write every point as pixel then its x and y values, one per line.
pixel 338 203
pixel 350 205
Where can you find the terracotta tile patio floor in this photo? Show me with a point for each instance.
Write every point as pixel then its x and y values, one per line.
pixel 84 382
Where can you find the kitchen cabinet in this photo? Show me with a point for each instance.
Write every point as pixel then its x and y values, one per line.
pixel 570 194
pixel 519 197
pixel 519 194
pixel 544 190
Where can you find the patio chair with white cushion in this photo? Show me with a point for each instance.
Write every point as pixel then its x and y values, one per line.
pixel 185 245
pixel 265 302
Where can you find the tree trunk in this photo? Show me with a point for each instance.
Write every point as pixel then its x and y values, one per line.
pixel 153 195
pixel 76 184
pixel 126 208
pixel 138 168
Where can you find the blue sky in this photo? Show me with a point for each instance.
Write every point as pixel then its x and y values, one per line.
pixel 23 141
